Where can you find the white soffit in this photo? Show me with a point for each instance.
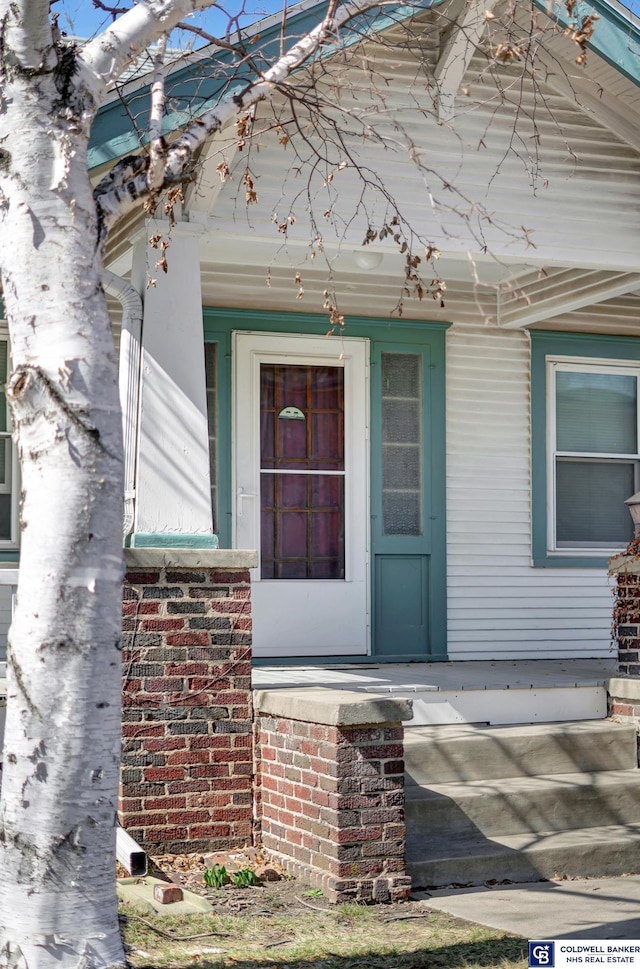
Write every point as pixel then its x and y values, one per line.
pixel 538 297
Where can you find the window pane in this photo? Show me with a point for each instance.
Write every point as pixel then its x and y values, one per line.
pixel 596 412
pixel 401 513
pixel 301 417
pixel 3 377
pixel 590 502
pixel 211 369
pixel 402 444
pixel 5 517
pixel 302 526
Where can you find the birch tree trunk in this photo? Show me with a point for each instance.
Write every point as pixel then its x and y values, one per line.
pixel 62 743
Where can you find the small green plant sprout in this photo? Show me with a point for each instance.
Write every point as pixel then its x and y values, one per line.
pixel 313 893
pixel 216 876
pixel 244 878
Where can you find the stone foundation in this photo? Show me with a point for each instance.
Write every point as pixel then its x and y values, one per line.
pixel 187 756
pixel 331 777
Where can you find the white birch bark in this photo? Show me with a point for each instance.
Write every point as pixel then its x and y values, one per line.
pixel 61 756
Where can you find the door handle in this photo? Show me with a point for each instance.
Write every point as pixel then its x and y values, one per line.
pixel 244 494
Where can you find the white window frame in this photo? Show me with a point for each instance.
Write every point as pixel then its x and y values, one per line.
pixel 554 364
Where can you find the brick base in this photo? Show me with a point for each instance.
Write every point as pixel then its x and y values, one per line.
pixel 627 623
pixel 626 609
pixel 187 760
pixel 332 793
pixel 336 890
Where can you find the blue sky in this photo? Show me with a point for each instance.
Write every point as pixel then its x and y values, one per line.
pixel 80 18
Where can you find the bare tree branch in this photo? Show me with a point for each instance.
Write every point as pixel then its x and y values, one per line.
pixel 27 33
pixel 113 205
pixel 157 144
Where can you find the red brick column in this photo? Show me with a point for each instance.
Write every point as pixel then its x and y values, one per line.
pixel 332 790
pixel 626 609
pixel 187 758
pixel 624 690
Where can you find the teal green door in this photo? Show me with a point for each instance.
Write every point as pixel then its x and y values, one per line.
pixel 407 495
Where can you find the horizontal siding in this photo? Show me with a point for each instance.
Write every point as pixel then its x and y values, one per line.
pixel 499 606
pixel 5 619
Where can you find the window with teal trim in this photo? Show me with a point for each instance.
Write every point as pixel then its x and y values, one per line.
pixel 590 451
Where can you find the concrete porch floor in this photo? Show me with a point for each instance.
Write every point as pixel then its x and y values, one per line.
pixel 500 691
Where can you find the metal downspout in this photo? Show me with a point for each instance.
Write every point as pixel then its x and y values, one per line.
pixel 129 382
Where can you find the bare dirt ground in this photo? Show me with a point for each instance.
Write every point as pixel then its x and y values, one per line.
pixel 281 924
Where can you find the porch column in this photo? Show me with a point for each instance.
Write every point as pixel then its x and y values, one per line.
pixel 187 746
pixel 173 489
pixel 624 690
pixel 626 609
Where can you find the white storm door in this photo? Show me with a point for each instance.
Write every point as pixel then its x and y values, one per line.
pixel 301 458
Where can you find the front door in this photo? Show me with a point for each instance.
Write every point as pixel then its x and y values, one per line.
pixel 301 489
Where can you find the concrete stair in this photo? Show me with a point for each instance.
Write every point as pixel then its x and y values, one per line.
pixel 521 803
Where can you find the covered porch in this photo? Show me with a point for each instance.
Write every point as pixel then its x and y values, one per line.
pixel 496 692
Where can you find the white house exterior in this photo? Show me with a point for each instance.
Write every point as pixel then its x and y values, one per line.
pixel 458 518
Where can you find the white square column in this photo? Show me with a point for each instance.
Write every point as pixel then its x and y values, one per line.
pixel 173 488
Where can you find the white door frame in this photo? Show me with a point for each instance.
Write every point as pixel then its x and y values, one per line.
pixel 311 616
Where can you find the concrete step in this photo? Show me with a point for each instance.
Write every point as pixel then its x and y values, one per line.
pixel 533 704
pixel 462 752
pixel 603 850
pixel 505 806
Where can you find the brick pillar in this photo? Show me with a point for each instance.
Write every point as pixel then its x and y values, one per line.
pixel 332 790
pixel 187 761
pixel 624 690
pixel 626 609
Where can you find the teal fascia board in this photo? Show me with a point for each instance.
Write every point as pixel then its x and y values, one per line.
pixel 113 134
pixel 172 540
pixel 543 343
pixel 221 319
pixel 616 37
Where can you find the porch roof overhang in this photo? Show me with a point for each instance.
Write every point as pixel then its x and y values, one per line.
pixel 520 290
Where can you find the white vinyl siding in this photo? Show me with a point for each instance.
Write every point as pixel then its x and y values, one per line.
pixel 500 607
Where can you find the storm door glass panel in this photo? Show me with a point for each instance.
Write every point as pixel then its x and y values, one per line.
pixel 302 472
pixel 402 444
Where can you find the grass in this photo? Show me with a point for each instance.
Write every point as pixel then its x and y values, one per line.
pixel 344 937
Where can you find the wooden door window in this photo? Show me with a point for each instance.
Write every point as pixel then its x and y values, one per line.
pixel 302 472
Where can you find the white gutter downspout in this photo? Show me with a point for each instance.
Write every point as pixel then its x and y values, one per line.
pixel 129 382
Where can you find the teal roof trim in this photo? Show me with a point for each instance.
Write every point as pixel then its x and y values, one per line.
pixel 616 37
pixel 113 134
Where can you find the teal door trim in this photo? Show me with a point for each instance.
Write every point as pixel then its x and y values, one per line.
pixel 425 338
pixel 412 566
